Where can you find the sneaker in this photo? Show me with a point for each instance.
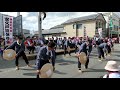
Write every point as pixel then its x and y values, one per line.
pixel 100 60
pixel 103 59
pixel 17 68
pixel 80 71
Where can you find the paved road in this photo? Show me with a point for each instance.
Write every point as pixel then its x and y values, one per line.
pixel 66 67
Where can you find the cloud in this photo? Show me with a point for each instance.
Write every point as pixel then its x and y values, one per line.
pixel 30 19
pixel 24 14
pixel 10 13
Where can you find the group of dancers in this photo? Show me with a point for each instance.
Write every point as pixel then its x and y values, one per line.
pixel 47 54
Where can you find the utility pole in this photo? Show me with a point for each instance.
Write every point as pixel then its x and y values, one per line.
pixel 39 24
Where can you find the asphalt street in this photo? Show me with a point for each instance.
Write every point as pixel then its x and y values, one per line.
pixel 66 67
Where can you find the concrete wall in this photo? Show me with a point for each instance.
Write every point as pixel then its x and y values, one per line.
pixel 90 29
pixel 69 30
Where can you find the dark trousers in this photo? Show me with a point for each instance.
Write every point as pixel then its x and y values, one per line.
pixel 89 50
pixel 42 62
pixel 76 49
pixel 86 64
pixel 109 49
pixel 65 50
pixel 31 48
pixel 24 57
pixel 53 58
pixel 100 53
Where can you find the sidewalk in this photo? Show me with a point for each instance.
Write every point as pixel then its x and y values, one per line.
pixel 33 56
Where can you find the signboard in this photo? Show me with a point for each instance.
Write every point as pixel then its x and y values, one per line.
pixel 8 29
pixel 100 32
pixel 85 32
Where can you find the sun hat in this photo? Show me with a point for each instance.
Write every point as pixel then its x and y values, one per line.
pixel 112 66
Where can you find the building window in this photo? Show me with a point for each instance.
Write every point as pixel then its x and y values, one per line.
pixel 117 28
pixel 74 26
pixel 79 26
pixel 99 24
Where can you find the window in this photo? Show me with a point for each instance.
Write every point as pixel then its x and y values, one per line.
pixel 99 24
pixel 114 27
pixel 117 28
pixel 79 26
pixel 74 26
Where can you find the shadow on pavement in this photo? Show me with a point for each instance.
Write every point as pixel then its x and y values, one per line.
pixel 117 55
pixel 94 55
pixel 113 59
pixel 58 72
pixel 95 70
pixel 116 51
pixel 27 69
pixel 66 62
pixel 29 74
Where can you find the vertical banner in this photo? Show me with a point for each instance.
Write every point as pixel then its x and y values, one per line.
pixel 84 33
pixel 8 29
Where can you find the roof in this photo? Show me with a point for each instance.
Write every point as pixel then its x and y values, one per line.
pixel 90 17
pixel 57 26
pixel 51 31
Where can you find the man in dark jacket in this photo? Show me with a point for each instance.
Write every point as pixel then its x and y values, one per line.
pixel 102 48
pixel 20 48
pixel 44 55
pixel 83 48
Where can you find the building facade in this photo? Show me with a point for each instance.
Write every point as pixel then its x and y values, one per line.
pixel 27 33
pixel 88 25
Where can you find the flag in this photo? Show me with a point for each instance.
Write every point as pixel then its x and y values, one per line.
pixel 111 23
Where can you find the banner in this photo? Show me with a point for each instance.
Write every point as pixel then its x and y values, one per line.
pixel 84 32
pixel 8 29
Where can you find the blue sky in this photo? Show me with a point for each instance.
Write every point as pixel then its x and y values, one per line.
pixel 30 20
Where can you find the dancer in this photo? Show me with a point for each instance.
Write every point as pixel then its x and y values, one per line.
pixel 83 48
pixel 44 55
pixel 20 48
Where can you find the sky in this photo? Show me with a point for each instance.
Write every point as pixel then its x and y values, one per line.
pixel 30 19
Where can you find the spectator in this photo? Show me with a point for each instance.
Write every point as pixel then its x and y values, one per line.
pixel 112 69
pixel 29 45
